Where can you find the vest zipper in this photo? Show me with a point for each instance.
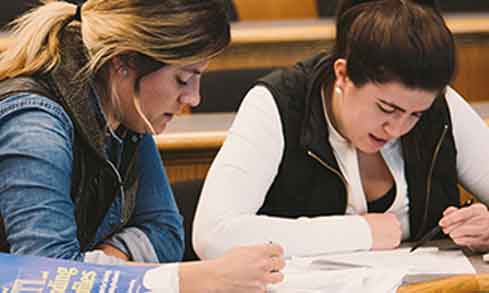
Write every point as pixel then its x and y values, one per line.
pixel 316 157
pixel 429 179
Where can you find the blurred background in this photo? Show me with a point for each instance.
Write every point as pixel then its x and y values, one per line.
pixel 265 9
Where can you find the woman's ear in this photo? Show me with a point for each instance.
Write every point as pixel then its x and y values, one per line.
pixel 341 74
pixel 119 67
pixel 116 63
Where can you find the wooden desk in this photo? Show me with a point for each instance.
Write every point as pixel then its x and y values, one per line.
pixel 456 284
pixel 282 43
pixel 197 131
pixel 191 142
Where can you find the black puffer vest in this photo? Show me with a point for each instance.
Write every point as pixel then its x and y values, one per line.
pixel 95 181
pixel 309 182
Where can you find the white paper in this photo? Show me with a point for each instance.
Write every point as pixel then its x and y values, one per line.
pixel 382 271
pixel 300 279
pixel 424 260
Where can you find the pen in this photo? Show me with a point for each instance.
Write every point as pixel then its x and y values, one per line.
pixel 331 265
pixel 433 232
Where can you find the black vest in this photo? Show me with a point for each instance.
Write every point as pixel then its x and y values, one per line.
pixel 309 182
pixel 95 181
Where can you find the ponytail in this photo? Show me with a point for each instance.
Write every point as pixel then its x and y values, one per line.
pixel 34 46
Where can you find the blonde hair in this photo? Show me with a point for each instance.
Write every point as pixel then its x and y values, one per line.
pixel 151 32
pixel 4 42
pixel 33 44
pixel 171 32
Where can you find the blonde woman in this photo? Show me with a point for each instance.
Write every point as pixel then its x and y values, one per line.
pixel 82 89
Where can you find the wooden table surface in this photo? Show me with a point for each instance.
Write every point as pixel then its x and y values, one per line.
pixel 195 131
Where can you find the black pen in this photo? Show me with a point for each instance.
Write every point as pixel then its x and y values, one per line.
pixel 435 231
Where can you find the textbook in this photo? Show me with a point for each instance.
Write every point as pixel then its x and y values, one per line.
pixel 20 274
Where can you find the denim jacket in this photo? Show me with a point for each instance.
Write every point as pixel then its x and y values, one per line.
pixel 36 136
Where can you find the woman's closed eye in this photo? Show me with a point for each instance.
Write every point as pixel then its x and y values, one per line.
pixel 386 108
pixel 181 81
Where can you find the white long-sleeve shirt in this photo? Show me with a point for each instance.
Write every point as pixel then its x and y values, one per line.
pixel 246 166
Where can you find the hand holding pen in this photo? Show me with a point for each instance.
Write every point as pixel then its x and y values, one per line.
pixel 466 225
pixel 437 230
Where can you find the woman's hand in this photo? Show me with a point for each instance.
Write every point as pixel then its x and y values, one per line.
pixel 386 230
pixel 467 226
pixel 246 269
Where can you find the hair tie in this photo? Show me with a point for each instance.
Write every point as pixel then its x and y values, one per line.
pixel 77 15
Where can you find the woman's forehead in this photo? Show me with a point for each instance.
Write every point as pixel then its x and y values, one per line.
pixel 403 97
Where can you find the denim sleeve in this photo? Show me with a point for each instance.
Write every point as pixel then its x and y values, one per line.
pixel 35 172
pixel 155 214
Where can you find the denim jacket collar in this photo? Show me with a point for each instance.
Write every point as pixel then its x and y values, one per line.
pixel 65 79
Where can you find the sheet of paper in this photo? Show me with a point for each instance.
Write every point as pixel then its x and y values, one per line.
pixel 424 260
pixel 300 279
pixel 367 271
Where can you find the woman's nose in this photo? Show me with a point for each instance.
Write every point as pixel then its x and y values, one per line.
pixel 192 96
pixel 397 127
pixel 193 100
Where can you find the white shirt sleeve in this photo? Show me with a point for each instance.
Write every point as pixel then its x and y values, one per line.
pixel 471 136
pixel 163 279
pixel 236 186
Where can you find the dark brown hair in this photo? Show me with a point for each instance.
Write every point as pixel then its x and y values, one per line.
pixel 395 40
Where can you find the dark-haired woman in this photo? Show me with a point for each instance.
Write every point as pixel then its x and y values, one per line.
pixel 82 90
pixel 355 149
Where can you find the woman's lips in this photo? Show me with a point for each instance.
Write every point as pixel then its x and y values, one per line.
pixel 378 142
pixel 167 117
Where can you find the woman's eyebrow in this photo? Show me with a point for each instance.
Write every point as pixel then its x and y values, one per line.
pixel 193 71
pixel 399 108
pixel 392 105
